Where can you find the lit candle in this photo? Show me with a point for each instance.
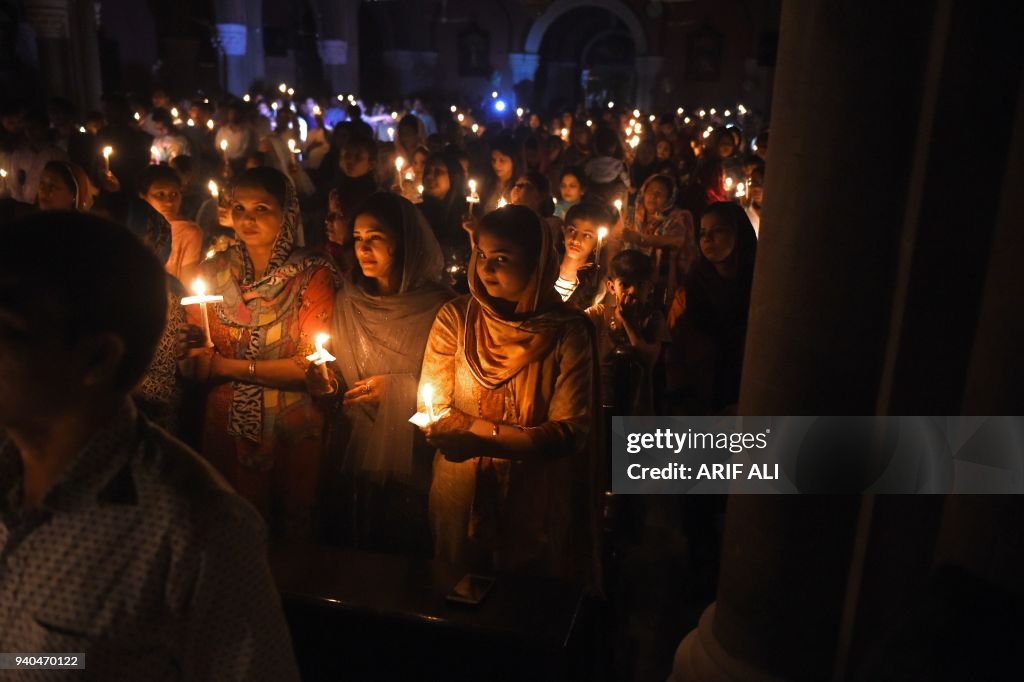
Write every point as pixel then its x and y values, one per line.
pixel 214 190
pixel 224 149
pixel 200 298
pixel 246 97
pixel 81 129
pixel 602 234
pixel 391 134
pixel 209 124
pixel 475 128
pixel 174 112
pixel 107 151
pixel 399 164
pixel 322 356
pixel 618 205
pixel 291 147
pixel 565 134
pixel 3 181
pixel 454 108
pixel 427 392
pixel 137 116
pixel 419 190
pixel 473 197
pixel 316 110
pixel 634 142
pixel 502 203
pixel 741 190
pixel 428 416
pixel 283 88
pixel 154 155
pixel 728 184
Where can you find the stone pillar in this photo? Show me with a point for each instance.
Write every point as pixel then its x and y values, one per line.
pixel 523 66
pixel 647 71
pixel 818 325
pixel 68 50
pixel 240 30
pixel 339 43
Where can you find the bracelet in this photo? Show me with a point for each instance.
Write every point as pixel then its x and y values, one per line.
pixel 252 369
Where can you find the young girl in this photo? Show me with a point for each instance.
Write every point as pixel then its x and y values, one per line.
pixel 513 367
pixel 578 280
pixel 571 187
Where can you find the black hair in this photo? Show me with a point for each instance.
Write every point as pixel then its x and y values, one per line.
pixel 591 211
pixel 163 116
pixel 182 163
pixel 268 179
pixel 516 224
pixel 124 292
pixel 157 173
pixel 631 265
pixel 606 143
pixel 411 121
pixel 577 173
pixel 364 143
pixel 386 209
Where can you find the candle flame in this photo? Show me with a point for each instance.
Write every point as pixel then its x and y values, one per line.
pixel 81 129
pixel 283 87
pixel 472 185
pixel 3 173
pixel 291 146
pixel 137 116
pixel 399 162
pixel 107 151
pixel 199 287
pixel 321 339
pixel 214 190
pixel 618 205
pixel 223 145
pixel 419 189
pixel 602 232
pixel 427 393
pixel 502 203
pixel 209 124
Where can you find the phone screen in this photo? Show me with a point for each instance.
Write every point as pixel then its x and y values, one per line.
pixel 471 589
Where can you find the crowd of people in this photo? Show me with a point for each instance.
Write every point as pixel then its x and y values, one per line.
pixel 514 282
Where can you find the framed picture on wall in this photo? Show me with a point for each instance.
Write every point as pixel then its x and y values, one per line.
pixel 704 55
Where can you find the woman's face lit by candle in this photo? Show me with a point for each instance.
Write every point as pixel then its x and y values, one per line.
pixel 726 146
pixel 570 189
pixel 655 197
pixel 54 194
pixel 502 166
pixel 503 267
pixel 165 197
pixel 436 182
pixel 717 238
pixel 257 217
pixel 664 150
pixel 580 240
pixel 375 247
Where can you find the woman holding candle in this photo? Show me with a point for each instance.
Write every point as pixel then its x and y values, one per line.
pixel 377 464
pixel 445 206
pixel 64 186
pixel 514 365
pixel 504 164
pixel 262 429
pixel 665 232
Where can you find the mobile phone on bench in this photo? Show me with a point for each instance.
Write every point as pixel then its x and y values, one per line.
pixel 471 590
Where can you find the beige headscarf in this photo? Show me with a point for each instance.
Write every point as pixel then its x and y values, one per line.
pixel 499 346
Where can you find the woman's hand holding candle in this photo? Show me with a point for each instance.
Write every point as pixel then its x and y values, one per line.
pixel 369 391
pixel 322 356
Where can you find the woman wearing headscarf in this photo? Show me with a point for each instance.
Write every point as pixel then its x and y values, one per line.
pixel 64 186
pixel 444 206
pixel 377 465
pixel 713 328
pixel 262 429
pixel 511 368
pixel 665 232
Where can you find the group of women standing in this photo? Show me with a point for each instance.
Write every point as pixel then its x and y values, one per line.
pixel 497 482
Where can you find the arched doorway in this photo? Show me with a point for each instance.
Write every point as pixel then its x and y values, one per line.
pixel 586 54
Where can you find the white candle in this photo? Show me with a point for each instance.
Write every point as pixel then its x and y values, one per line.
pixel 473 197
pixel 427 393
pixel 107 151
pixel 602 233
pixel 322 356
pixel 200 298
